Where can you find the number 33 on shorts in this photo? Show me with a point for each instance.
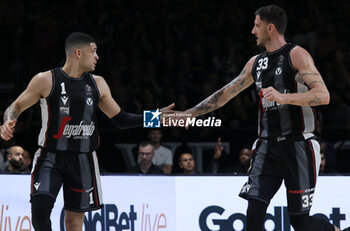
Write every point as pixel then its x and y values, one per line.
pixel 307 200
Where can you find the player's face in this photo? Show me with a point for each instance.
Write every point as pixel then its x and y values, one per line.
pixel 260 31
pixel 89 57
pixel 187 162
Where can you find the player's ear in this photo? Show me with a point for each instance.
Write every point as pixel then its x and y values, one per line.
pixel 77 53
pixel 270 27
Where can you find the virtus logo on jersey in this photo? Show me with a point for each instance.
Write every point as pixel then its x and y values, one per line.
pixel 77 131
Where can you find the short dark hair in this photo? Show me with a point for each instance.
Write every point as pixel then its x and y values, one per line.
pixel 182 153
pixel 145 143
pixel 77 39
pixel 275 15
pixel 246 146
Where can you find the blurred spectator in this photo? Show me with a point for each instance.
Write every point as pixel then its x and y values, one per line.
pixel 146 154
pixel 214 165
pixel 324 167
pixel 187 163
pixel 27 162
pixel 4 146
pixel 221 165
pixel 15 158
pixel 163 157
pixel 245 157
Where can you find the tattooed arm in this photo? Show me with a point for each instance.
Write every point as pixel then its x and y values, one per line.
pixel 307 73
pixel 39 86
pixel 222 96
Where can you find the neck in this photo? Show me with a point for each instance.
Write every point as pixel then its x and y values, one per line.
pixel 12 169
pixel 275 43
pixel 73 70
pixel 156 145
pixel 145 167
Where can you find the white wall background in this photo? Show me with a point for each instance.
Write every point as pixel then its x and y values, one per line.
pixel 172 203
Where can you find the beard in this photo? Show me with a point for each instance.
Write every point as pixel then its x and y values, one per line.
pixel 16 164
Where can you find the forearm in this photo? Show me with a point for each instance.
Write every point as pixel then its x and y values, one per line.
pixel 11 113
pixel 124 120
pixel 313 97
pixel 222 96
pixel 213 102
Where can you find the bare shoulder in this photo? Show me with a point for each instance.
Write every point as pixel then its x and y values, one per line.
pixel 99 80
pixel 101 84
pixel 299 54
pixel 44 76
pixel 97 77
pixel 246 72
pixel 301 59
pixel 298 50
pixel 41 83
pixel 251 61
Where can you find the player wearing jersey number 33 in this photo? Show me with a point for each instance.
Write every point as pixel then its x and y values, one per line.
pixel 289 86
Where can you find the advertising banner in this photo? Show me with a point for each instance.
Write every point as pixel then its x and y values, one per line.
pixel 173 203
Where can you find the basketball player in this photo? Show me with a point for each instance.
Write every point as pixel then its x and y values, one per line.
pixel 288 85
pixel 69 98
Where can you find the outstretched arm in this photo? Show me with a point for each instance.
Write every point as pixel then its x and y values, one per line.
pixel 39 86
pixel 110 107
pixel 222 96
pixel 307 73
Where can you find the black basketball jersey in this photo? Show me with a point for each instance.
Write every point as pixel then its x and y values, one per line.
pixel 69 114
pixel 275 69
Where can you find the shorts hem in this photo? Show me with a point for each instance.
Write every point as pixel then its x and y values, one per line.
pixel 83 210
pixel 42 193
pixel 257 198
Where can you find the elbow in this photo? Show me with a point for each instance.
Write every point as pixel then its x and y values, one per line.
pixel 326 98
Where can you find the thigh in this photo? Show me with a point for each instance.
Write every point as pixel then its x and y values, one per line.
pixel 264 174
pixel 81 183
pixel 303 161
pixel 46 175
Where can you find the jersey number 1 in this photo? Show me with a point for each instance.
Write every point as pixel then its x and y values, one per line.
pixel 63 89
pixel 91 199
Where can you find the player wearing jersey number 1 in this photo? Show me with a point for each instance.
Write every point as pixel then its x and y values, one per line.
pixel 69 98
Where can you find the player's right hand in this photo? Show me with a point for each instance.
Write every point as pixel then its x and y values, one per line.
pixel 7 129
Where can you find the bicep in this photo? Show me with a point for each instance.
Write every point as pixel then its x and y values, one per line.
pixel 109 106
pixel 31 94
pixel 241 82
pixel 307 71
pixel 107 103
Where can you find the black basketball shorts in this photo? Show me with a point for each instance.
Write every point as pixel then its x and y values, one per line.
pixel 77 172
pixel 295 160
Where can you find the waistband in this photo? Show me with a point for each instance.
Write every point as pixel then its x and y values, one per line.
pixel 60 152
pixel 293 136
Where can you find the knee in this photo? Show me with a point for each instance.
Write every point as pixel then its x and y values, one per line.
pixel 300 222
pixel 41 210
pixel 304 222
pixel 73 220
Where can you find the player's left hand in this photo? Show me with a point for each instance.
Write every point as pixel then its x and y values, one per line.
pixel 271 94
pixel 7 129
